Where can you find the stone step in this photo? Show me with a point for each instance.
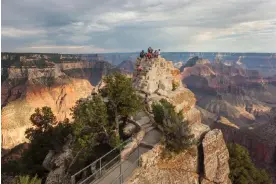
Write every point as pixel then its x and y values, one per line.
pixel 143 120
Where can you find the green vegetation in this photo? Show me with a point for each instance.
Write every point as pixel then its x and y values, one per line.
pixel 92 131
pixel 242 169
pixel 46 134
pixel 95 128
pixel 176 132
pixel 96 123
pixel 122 98
pixel 26 180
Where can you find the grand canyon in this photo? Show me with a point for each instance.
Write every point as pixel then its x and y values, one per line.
pixel 232 96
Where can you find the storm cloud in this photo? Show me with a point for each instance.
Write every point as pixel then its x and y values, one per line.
pixel 88 26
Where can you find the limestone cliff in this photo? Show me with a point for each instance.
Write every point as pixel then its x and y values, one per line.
pixel 58 86
pixel 235 100
pixel 160 79
pixel 205 163
pixel 16 114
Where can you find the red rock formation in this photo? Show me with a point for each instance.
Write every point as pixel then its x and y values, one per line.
pixel 16 114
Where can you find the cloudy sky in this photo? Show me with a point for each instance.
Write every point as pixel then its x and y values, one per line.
pixel 88 26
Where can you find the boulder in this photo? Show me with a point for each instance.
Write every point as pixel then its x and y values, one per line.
pixel 216 156
pixel 155 169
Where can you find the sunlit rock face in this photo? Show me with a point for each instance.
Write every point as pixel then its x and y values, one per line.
pixel 58 87
pixel 185 167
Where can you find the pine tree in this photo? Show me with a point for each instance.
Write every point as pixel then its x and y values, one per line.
pixel 176 132
pixel 242 169
pixel 122 97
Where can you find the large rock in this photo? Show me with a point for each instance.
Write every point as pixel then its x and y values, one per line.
pixel 208 165
pixel 157 74
pixel 216 156
pixel 155 169
pixel 58 164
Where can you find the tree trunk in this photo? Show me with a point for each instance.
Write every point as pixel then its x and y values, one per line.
pixel 74 160
pixel 117 122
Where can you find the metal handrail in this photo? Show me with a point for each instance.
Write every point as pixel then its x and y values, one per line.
pixel 98 171
pixel 98 160
pixel 121 175
pixel 120 165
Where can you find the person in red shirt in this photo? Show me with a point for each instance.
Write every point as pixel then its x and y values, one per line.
pixel 149 55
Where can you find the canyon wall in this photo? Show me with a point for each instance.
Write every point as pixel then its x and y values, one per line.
pixel 58 87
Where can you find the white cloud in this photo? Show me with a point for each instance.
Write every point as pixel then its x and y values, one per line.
pixel 172 25
pixel 13 32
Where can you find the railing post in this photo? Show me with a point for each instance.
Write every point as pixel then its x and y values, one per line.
pixel 73 180
pixel 121 173
pixel 100 166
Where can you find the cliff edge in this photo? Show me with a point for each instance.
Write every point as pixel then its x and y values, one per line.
pixel 206 162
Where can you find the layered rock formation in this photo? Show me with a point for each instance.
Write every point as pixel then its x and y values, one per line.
pixel 15 116
pixel 160 80
pixel 240 106
pixel 58 87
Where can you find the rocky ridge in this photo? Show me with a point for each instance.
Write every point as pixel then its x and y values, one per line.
pixel 158 80
pixel 206 163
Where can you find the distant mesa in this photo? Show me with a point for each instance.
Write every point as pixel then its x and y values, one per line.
pixel 126 66
pixel 193 61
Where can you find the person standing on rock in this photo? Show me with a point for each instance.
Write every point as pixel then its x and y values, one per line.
pixel 142 54
pixel 148 55
pixel 155 54
pixel 150 50
pixel 159 52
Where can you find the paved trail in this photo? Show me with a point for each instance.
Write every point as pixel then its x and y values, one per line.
pixel 128 166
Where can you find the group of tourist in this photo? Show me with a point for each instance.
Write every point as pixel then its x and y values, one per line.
pixel 150 53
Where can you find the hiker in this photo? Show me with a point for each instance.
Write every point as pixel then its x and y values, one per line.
pixel 150 50
pixel 159 52
pixel 155 54
pixel 149 55
pixel 142 54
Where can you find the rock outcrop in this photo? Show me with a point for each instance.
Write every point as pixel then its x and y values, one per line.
pixel 216 156
pixel 185 167
pixel 160 80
